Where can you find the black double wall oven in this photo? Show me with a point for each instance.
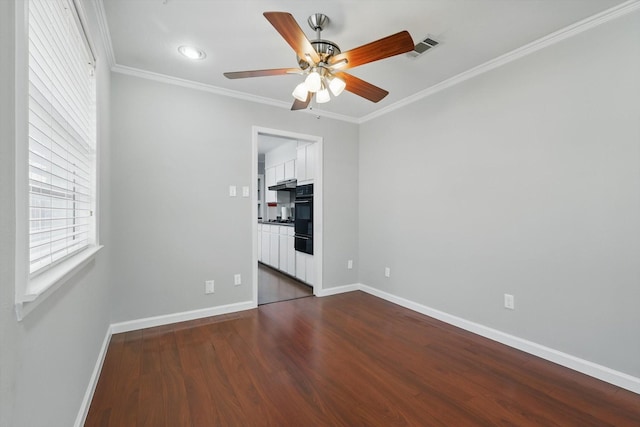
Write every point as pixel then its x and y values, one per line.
pixel 303 225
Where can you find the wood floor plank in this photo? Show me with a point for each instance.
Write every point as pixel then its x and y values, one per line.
pixel 345 360
pixel 104 396
pixel 128 384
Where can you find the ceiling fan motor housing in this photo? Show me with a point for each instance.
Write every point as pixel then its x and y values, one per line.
pixel 325 48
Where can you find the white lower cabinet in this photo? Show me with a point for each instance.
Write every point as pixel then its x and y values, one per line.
pixel 301 266
pixel 284 261
pixel 291 252
pixel 305 268
pixel 311 269
pixel 265 243
pixel 276 247
pixel 287 251
pixel 274 244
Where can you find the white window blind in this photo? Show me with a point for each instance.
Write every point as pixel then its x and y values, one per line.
pixel 62 134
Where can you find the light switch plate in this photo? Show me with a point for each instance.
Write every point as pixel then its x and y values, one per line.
pixel 245 191
pixel 232 191
pixel 209 287
pixel 387 272
pixel 509 302
pixel 237 279
pixel 350 264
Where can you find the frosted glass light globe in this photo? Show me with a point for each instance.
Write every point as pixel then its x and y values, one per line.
pixel 313 82
pixel 337 86
pixel 323 96
pixel 300 92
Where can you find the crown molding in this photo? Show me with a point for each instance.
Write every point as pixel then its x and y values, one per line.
pixel 555 37
pixel 104 32
pixel 150 75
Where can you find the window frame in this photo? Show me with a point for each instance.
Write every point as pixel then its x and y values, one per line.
pixel 33 289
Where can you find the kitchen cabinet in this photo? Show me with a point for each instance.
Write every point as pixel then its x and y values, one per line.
pixel 290 169
pixel 284 260
pixel 287 251
pixel 291 252
pixel 305 268
pixel 306 162
pixel 279 172
pixel 274 247
pixel 269 180
pixel 266 244
pixel 301 266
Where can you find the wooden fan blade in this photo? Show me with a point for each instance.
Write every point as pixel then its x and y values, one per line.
pixel 362 88
pixel 301 105
pixel 261 73
pixel 289 29
pixel 392 45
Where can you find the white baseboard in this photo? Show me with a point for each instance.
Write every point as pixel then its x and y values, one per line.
pixel 167 319
pixel 338 290
pixel 93 381
pixel 600 372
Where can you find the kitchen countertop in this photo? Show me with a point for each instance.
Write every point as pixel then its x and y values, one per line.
pixel 286 224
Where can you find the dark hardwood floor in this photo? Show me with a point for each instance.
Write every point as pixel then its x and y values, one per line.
pixel 345 360
pixel 274 286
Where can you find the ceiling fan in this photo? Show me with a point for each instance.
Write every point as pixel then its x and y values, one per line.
pixel 323 63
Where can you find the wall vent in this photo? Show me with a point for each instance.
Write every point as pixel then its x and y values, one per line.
pixel 423 46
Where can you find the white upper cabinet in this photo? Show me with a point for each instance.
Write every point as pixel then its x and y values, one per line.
pixel 311 160
pixel 269 180
pixel 290 169
pixel 279 172
pixel 306 162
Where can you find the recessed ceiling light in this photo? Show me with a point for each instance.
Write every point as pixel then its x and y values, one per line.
pixel 191 52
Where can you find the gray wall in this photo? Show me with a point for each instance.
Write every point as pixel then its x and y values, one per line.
pixel 47 359
pixel 175 153
pixel 523 180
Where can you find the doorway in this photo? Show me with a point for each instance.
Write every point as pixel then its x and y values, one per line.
pixel 280 272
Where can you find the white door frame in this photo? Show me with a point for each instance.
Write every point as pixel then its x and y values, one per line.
pixel 317 203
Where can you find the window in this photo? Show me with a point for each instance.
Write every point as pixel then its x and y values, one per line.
pixel 61 134
pixel 61 143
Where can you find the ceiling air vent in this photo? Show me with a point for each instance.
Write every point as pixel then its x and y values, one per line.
pixel 423 46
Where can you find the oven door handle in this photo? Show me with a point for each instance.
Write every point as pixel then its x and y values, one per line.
pixel 302 237
pixel 302 201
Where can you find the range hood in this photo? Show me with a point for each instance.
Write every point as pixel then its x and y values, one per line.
pixel 286 185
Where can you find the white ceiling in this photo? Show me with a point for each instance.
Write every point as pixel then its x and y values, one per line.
pixel 145 35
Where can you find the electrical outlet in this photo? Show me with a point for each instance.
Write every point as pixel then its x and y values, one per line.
pixel 509 302
pixel 245 191
pixel 237 279
pixel 208 287
pixel 350 264
pixel 387 272
pixel 232 191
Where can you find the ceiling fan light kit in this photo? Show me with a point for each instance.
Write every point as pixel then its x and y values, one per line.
pixel 322 61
